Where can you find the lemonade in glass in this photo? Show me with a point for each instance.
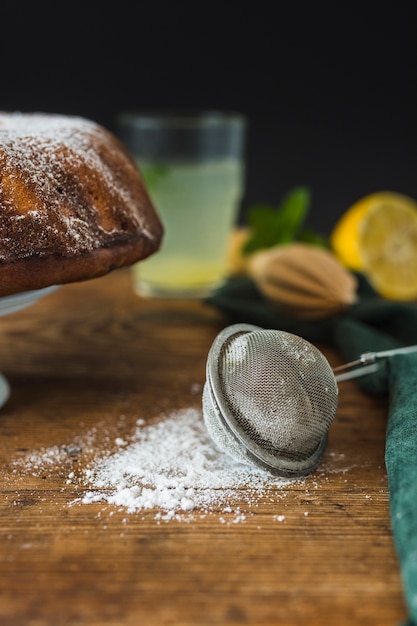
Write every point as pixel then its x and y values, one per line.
pixel 193 168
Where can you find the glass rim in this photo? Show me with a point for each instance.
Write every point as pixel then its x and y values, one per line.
pixel 181 118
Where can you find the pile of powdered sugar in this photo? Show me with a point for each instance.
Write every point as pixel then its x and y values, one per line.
pixel 169 468
pixel 173 466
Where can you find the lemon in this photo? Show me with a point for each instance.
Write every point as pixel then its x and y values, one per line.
pixel 378 237
pixel 236 260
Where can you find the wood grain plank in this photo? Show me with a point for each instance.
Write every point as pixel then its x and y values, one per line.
pixel 84 365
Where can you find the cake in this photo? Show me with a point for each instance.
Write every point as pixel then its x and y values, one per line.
pixel 73 205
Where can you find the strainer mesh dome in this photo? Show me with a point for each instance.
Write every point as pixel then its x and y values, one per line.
pixel 278 395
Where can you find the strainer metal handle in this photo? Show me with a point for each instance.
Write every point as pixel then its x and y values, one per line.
pixel 367 363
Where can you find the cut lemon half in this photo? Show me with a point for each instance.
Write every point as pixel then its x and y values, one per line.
pixel 378 237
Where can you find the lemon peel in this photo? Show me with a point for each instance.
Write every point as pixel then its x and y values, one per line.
pixel 378 237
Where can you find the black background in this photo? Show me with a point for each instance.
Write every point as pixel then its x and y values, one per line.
pixel 329 89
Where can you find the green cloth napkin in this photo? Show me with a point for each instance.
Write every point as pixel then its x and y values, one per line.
pixel 370 325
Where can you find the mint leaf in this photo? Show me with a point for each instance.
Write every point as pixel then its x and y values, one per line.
pixel 271 226
pixel 309 236
pixel 265 228
pixel 152 174
pixel 293 210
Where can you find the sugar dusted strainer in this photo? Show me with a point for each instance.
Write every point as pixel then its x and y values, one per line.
pixel 270 397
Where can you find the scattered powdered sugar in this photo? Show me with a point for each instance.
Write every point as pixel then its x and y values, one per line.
pixel 58 457
pixel 174 467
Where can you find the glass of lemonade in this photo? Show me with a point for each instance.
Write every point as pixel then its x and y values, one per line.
pixel 194 168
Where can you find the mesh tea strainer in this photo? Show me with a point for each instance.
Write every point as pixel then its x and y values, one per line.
pixel 270 397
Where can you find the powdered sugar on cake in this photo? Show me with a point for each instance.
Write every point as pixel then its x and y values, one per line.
pixel 60 211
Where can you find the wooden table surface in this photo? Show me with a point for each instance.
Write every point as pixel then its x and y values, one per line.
pixel 95 356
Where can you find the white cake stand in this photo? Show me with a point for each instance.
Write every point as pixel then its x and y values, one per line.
pixel 11 304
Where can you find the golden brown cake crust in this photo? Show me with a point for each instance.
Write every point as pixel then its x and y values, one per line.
pixel 72 203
